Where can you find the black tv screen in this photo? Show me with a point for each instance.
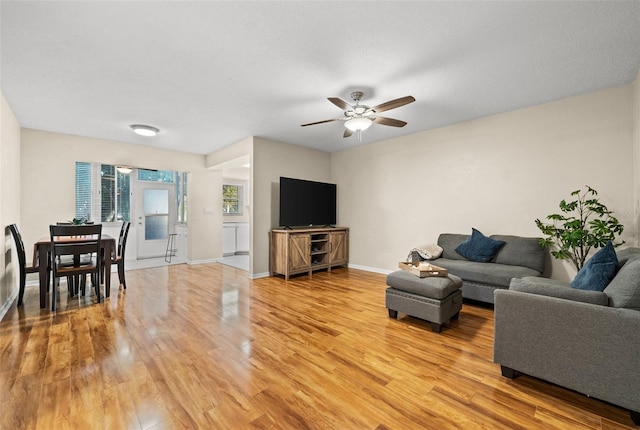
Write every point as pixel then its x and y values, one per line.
pixel 307 203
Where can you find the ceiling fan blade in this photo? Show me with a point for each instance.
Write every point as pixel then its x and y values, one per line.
pixel 347 132
pixel 340 103
pixel 393 104
pixel 389 121
pixel 321 122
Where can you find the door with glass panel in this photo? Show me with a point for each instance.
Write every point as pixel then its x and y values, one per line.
pixel 156 213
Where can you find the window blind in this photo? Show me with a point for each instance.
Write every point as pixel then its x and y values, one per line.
pixel 83 191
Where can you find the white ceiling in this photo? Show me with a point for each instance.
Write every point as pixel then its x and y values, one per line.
pixel 210 73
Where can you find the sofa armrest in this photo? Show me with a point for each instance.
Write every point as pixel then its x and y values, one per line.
pixel 592 349
pixel 558 289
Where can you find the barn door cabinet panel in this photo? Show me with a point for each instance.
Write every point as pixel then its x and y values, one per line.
pixel 339 246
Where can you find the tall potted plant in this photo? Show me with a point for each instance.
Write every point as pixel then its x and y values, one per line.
pixel 583 223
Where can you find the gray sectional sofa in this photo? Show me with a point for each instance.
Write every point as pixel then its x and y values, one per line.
pixel 517 258
pixel 587 341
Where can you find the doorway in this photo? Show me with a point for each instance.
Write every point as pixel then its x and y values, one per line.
pixel 235 229
pixel 156 216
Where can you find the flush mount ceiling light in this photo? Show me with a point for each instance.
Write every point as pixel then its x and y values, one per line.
pixel 358 124
pixel 144 130
pixel 124 169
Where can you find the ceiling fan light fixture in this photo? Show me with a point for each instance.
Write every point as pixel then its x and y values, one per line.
pixel 144 130
pixel 358 124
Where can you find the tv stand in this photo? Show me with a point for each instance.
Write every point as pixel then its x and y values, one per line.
pixel 308 249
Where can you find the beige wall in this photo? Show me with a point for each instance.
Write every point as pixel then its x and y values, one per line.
pixel 497 174
pixel 270 161
pixel 48 174
pixel 231 152
pixel 205 216
pixel 9 202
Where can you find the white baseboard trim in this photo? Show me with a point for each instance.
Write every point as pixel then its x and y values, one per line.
pixel 259 275
pixel 370 269
pixel 210 260
pixel 10 301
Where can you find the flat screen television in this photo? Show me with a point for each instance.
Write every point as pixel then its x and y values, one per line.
pixel 307 203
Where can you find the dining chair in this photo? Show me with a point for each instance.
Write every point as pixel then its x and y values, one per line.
pixel 22 262
pixel 73 282
pixel 69 243
pixel 118 258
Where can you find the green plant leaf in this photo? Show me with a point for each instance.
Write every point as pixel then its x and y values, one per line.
pixel 587 223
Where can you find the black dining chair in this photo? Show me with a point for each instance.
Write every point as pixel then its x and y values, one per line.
pixel 118 255
pixel 73 282
pixel 69 243
pixel 118 258
pixel 22 262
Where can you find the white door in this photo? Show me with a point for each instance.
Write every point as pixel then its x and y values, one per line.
pixel 156 213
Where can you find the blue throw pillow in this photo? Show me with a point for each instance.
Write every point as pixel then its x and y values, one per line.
pixel 479 247
pixel 596 274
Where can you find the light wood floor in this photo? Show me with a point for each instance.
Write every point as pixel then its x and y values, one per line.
pixel 202 346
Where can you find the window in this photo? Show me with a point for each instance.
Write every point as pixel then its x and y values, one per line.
pixel 83 191
pixel 114 194
pixel 103 192
pixel 166 176
pixel 181 196
pixel 232 199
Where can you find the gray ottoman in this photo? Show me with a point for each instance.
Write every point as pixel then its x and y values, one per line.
pixel 435 299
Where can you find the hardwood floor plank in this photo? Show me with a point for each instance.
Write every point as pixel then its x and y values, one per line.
pixel 54 410
pixel 20 407
pixel 563 420
pixel 86 389
pixel 202 346
pixel 118 407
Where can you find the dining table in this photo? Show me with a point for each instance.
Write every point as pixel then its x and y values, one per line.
pixel 42 250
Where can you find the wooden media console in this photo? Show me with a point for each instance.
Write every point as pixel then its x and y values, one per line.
pixel 308 249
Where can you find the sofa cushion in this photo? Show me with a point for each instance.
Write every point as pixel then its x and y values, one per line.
pixel 624 289
pixel 539 281
pixel 521 251
pixel 554 288
pixel 498 275
pixel 449 242
pixel 627 254
pixel 479 247
pixel 599 270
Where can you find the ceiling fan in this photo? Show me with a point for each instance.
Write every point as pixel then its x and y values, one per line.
pixel 359 117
